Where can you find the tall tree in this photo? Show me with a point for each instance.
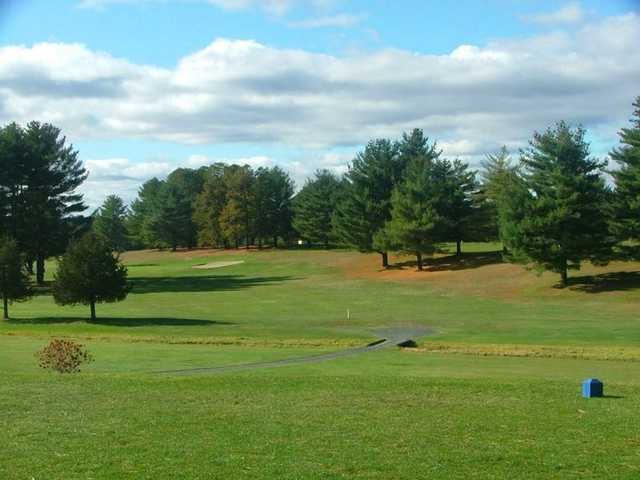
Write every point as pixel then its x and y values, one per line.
pixel 237 216
pixel 455 187
pixel 54 173
pixel 566 217
pixel 171 219
pixel 143 210
pixel 14 279
pixel 90 273
pixel 366 204
pixel 274 190
pixel 416 145
pixel 209 205
pixel 501 183
pixel 626 224
pixel 314 207
pixel 13 175
pixel 187 183
pixel 415 219
pixel 109 223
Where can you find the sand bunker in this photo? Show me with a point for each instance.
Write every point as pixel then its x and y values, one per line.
pixel 207 266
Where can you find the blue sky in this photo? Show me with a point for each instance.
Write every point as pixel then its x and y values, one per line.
pixel 143 86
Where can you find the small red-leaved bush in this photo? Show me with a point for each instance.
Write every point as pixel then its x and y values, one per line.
pixel 63 356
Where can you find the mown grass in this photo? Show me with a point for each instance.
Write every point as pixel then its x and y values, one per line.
pixel 386 415
pixel 494 394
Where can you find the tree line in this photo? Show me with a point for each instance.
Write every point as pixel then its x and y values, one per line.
pixel 551 207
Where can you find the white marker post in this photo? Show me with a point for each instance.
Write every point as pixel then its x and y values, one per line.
pixel 348 315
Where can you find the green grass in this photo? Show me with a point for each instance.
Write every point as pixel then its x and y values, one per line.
pixel 495 394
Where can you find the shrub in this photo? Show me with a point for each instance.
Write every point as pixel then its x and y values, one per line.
pixel 64 356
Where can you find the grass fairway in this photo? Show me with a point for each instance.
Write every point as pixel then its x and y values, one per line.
pixel 494 394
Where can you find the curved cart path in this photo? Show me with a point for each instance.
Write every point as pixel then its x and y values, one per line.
pixel 390 337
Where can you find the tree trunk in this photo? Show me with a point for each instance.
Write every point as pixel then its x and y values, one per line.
pixel 275 241
pixel 385 259
pixel 419 258
pixel 40 269
pixel 458 248
pixel 6 307
pixel 93 310
pixel 563 273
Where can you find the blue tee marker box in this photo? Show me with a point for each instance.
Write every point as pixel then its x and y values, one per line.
pixel 592 387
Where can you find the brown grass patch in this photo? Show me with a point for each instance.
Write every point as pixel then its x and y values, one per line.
pixel 532 351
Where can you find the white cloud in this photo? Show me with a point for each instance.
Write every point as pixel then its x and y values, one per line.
pixel 239 91
pixel 571 13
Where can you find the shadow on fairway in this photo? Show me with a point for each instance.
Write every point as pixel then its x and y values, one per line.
pixel 605 282
pixel 121 322
pixel 451 262
pixel 201 283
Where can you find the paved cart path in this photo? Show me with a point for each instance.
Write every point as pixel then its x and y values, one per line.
pixel 389 337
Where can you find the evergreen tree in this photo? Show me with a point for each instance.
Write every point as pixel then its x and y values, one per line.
pixel 314 207
pixel 39 175
pixel 209 205
pixel 238 215
pixel 626 224
pixel 171 220
pixel 415 219
pixel 501 182
pixel 90 273
pixel 140 222
pixel 564 216
pixel 14 280
pixel 415 145
pixel 366 203
pixel 13 175
pixel 455 186
pixel 109 223
pixel 54 174
pixel 186 184
pixel 273 211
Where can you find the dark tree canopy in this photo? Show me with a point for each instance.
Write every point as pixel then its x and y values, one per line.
pixel 39 175
pixel 89 273
pixel 414 214
pixel 366 202
pixel 15 285
pixel 626 224
pixel 564 218
pixel 314 207
pixel 109 223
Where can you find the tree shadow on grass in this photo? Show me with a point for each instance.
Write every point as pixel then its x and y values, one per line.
pixel 605 282
pixel 452 262
pixel 202 283
pixel 120 322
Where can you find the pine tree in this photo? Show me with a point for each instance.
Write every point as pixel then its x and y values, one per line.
pixel 273 211
pixel 90 273
pixel 109 223
pixel 454 187
pixel 171 218
pixel 415 220
pixel 238 215
pixel 366 204
pixel 14 280
pixel 564 213
pixel 209 205
pixel 626 223
pixel 186 184
pixel 143 210
pixel 52 176
pixel 314 207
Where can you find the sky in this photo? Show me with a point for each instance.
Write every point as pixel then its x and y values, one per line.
pixel 141 87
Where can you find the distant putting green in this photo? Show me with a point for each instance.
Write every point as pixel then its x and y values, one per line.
pixel 495 393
